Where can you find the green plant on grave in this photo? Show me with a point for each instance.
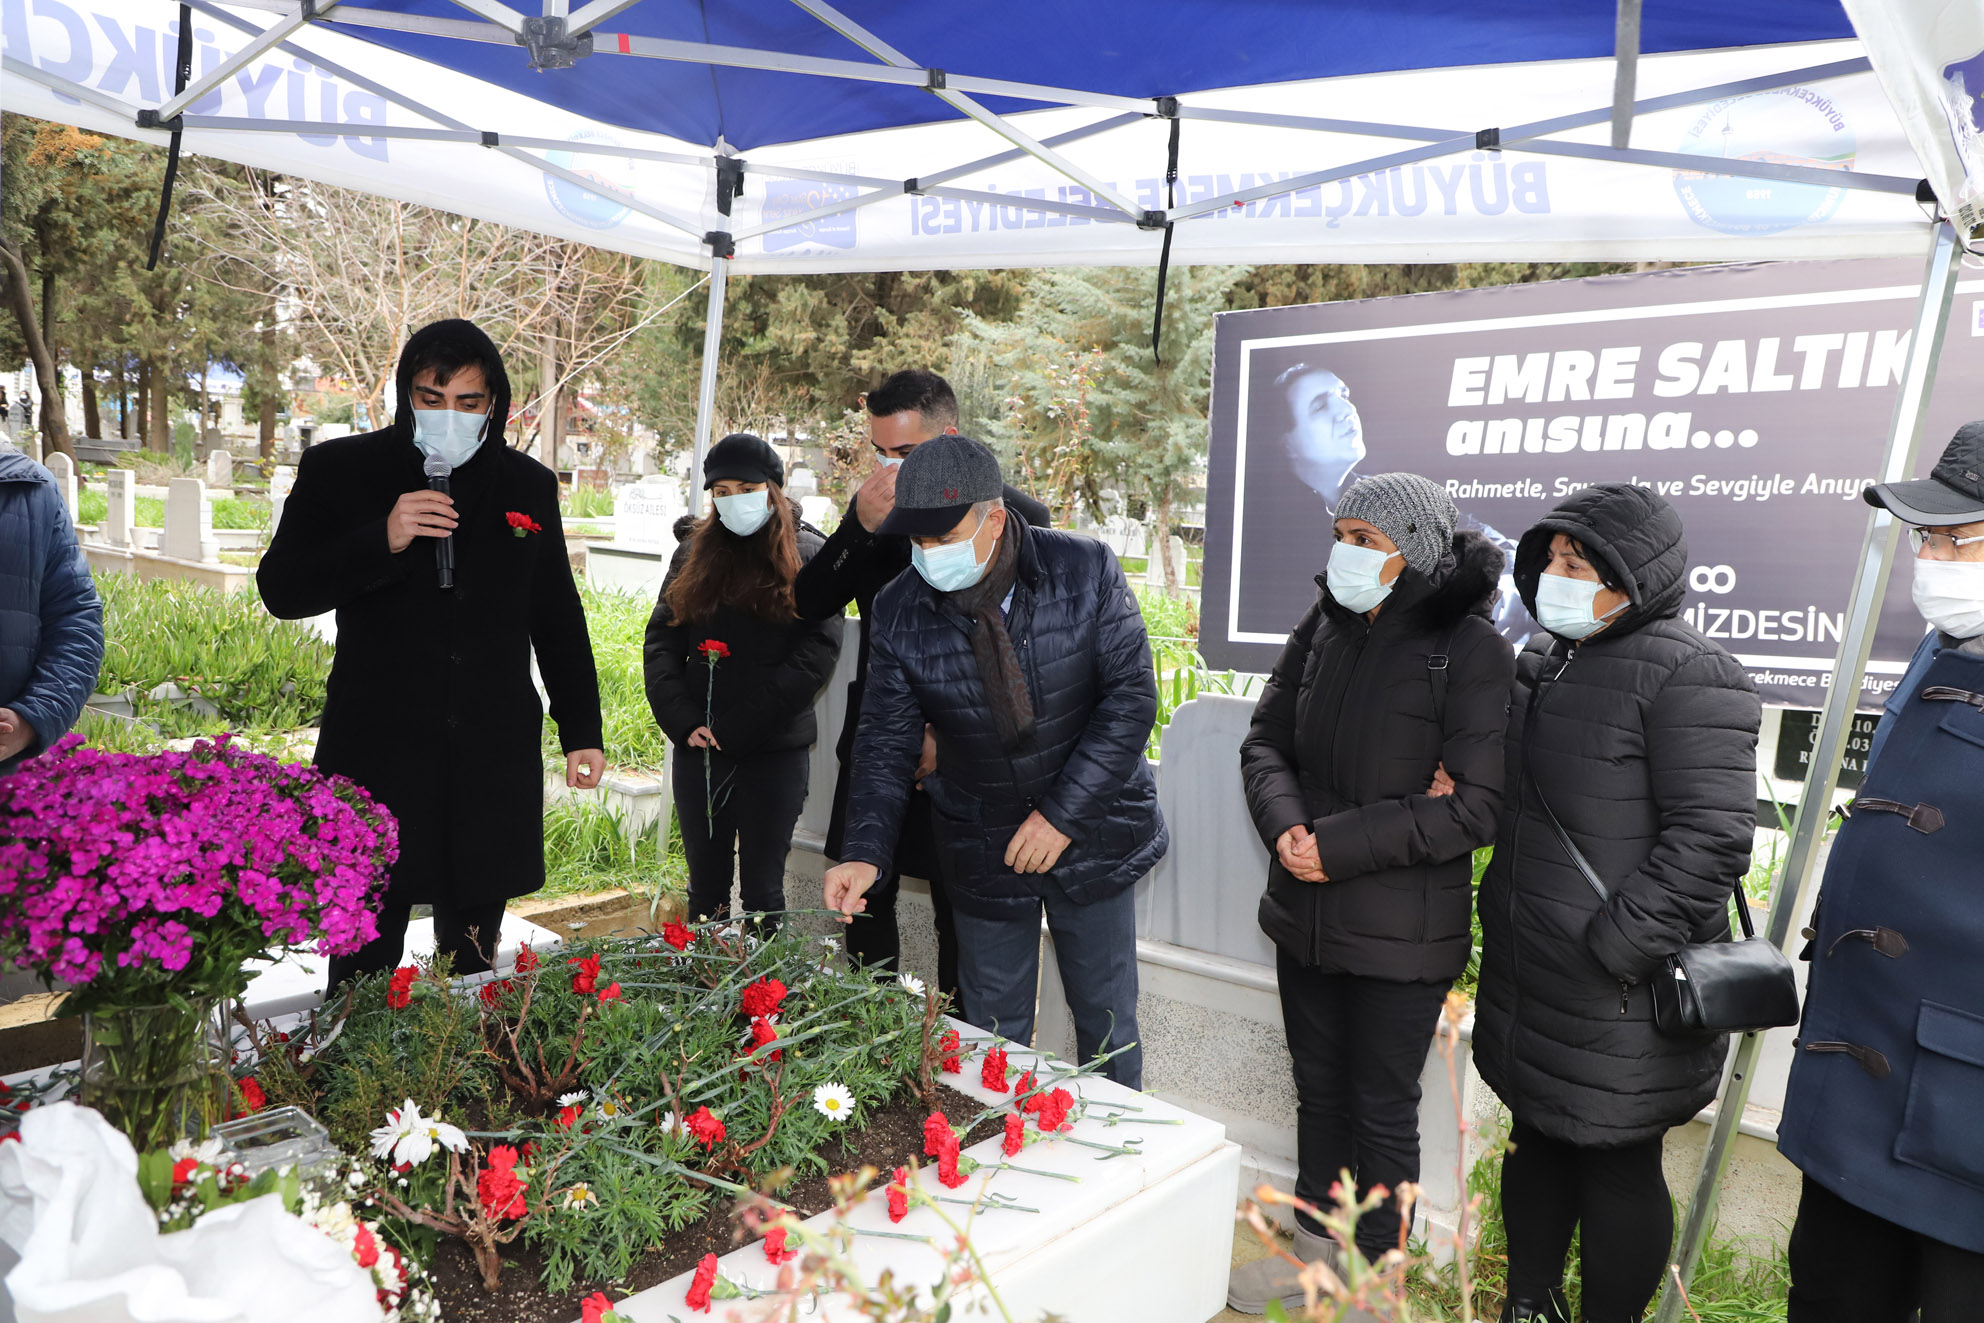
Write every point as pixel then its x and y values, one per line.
pixel 648 1075
pixel 588 848
pixel 617 625
pixel 1182 675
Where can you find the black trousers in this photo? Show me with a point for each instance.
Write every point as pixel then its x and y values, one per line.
pixel 1616 1196
pixel 1358 1045
pixel 875 937
pixel 758 799
pixel 1849 1265
pixel 466 933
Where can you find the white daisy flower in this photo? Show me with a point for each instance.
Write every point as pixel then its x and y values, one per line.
pixel 833 1101
pixel 567 1099
pixel 671 1124
pixel 831 943
pixel 910 984
pixel 207 1154
pixel 410 1138
pixel 612 1109
pixel 581 1196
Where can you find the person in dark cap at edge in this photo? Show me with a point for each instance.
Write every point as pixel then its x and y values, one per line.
pixel 747 716
pixel 906 410
pixel 430 705
pixel 1881 1111
pixel 1025 652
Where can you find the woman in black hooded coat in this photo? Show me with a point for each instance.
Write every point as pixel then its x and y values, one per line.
pixel 1641 735
pixel 431 706
pixel 1361 712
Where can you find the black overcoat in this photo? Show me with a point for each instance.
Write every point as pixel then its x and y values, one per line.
pixel 1345 740
pixel 431 705
pixel 1643 738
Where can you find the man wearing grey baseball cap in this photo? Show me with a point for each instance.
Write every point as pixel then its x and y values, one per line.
pixel 1024 651
pixel 1880 1113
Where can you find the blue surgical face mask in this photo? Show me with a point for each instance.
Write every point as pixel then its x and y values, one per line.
pixel 1354 576
pixel 449 434
pixel 745 513
pixel 953 566
pixel 1563 606
pixel 888 462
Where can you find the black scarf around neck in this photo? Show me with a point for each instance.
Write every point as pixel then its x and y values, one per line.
pixel 991 646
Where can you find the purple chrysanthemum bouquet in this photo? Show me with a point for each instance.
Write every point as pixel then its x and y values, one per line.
pixel 139 879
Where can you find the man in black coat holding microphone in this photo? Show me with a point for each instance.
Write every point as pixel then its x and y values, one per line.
pixel 431 705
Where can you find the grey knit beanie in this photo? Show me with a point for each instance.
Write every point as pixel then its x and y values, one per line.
pixel 1414 512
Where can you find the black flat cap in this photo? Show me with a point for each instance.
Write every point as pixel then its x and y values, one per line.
pixel 1953 493
pixel 742 457
pixel 939 483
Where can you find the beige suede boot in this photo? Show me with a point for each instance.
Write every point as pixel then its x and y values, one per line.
pixel 1252 1285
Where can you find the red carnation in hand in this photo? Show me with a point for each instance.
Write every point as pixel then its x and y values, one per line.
pixel 899 1195
pixel 399 993
pixel 949 1045
pixel 762 998
pixel 586 981
pixel 993 1075
pixel 698 1298
pixel 936 1133
pixel 1015 1134
pixel 713 648
pixel 677 935
pixel 775 1249
pixel 526 959
pixel 707 1129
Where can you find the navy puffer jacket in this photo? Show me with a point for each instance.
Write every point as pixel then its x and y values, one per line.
pixel 51 620
pixel 1082 643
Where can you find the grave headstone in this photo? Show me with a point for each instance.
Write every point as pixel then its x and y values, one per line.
pixel 800 483
pixel 1154 570
pixel 220 469
pixel 281 482
pixel 644 515
pixel 122 507
pixel 63 470
pixel 189 522
pixel 816 510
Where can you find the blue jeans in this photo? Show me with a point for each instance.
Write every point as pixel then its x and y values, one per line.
pixel 1095 947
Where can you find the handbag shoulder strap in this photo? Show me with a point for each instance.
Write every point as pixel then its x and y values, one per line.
pixel 1436 675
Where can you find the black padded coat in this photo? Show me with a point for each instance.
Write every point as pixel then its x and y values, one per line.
pixel 1082 644
pixel 1643 738
pixel 1345 739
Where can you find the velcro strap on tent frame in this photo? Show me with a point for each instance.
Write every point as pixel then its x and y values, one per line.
pixel 1164 253
pixel 182 69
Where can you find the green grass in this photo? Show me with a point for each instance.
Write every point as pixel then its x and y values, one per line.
pixel 233 512
pixel 585 503
pixel 587 850
pixel 618 625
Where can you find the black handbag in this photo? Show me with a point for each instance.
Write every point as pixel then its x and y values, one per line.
pixel 1707 988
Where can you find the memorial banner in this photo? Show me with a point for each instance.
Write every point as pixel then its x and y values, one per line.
pixel 1756 398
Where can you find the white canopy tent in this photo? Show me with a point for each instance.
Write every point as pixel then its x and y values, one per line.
pixel 752 136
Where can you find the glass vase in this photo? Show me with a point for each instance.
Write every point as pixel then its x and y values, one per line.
pixel 154 1072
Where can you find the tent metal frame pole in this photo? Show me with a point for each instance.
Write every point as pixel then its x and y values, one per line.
pixel 1793 884
pixel 721 247
pixel 274 34
pixel 495 11
pixel 1626 55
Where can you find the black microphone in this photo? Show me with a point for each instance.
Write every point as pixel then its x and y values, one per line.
pixel 437 470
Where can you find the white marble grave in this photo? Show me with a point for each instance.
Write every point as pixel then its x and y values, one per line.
pixel 121 501
pixel 220 469
pixel 189 522
pixel 63 470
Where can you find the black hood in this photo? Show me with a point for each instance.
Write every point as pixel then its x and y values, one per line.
pixel 471 337
pixel 1462 584
pixel 1634 533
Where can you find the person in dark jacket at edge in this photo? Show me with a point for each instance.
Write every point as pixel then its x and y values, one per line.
pixel 747 712
pixel 51 619
pixel 1640 735
pixel 430 705
pixel 1025 652
pixel 907 409
pixel 1881 1112
pixel 1396 672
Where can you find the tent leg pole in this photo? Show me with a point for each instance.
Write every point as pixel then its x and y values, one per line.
pixel 1793 884
pixel 706 389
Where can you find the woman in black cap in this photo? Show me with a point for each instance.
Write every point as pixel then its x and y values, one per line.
pixel 732 673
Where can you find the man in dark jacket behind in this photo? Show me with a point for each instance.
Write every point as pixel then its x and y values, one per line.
pixel 1024 651
pixel 858 561
pixel 430 704
pixel 51 620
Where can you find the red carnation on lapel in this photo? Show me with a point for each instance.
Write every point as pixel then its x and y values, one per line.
pixel 521 524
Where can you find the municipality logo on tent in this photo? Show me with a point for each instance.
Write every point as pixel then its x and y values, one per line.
pixel 1963 104
pixel 595 211
pixel 785 198
pixel 1785 126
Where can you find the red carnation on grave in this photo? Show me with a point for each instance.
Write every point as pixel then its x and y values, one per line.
pixel 899 1195
pixel 1022 1086
pixel 399 993
pixel 252 1097
pixel 568 1115
pixel 526 959
pixel 707 1129
pixel 949 1045
pixel 1053 1113
pixel 677 935
pixel 762 1033
pixel 492 992
pixel 610 993
pixel 1015 1134
pixel 775 1249
pixel 594 1308
pixel 762 998
pixel 586 981
pixel 364 1248
pixel 498 1187
pixel 698 1298
pixel 993 1074
pixel 936 1133
pixel 947 1165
